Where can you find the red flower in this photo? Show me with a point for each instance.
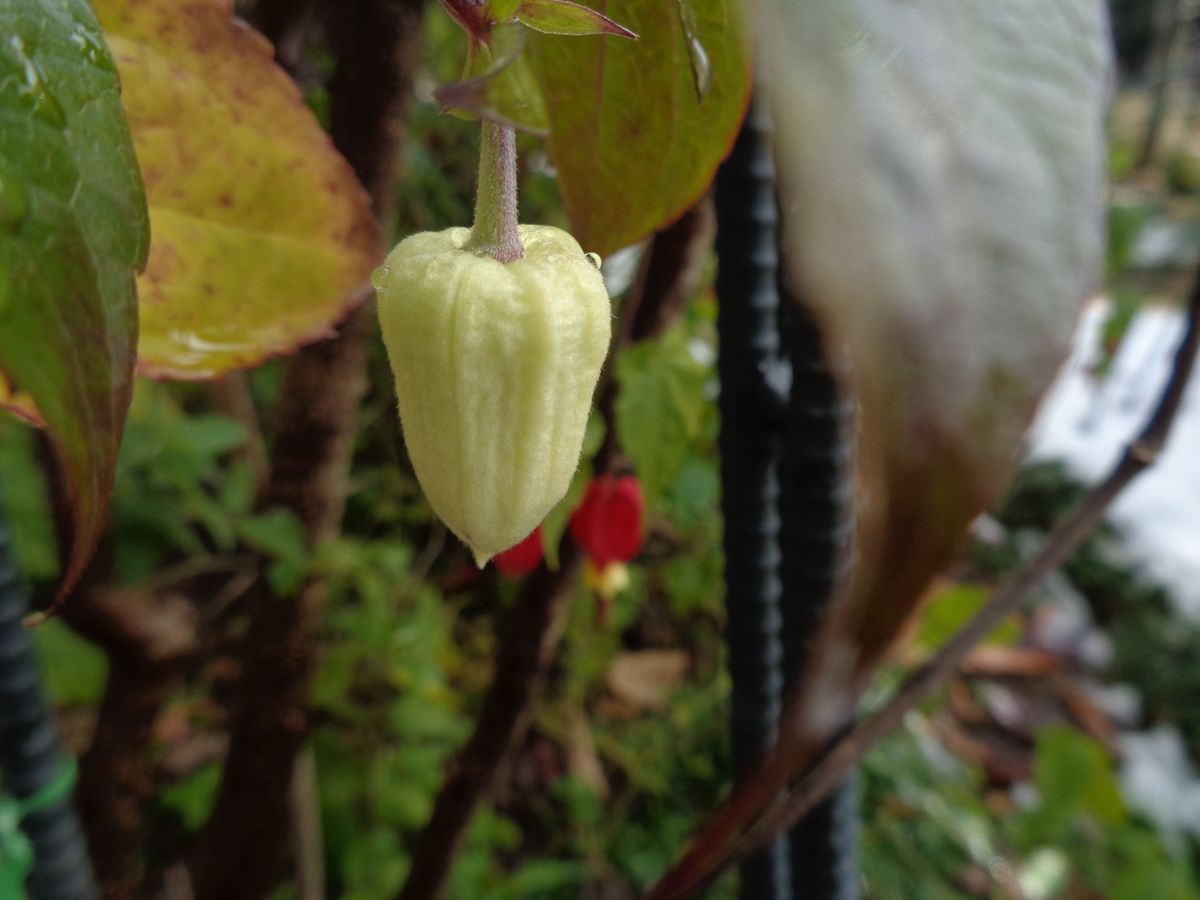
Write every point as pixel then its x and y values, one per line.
pixel 522 558
pixel 607 525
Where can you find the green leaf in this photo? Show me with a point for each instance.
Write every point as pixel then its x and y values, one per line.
pixel 564 17
pixel 660 408
pixel 502 10
pixel 279 535
pixel 544 878
pixel 633 142
pixel 25 501
pixel 74 670
pixel 697 55
pixel 1074 776
pixel 236 495
pixel 497 83
pixel 207 437
pixel 73 231
pixel 192 798
pixel 951 609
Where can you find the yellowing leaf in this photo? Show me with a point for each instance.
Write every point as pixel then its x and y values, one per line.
pixel 634 140
pixel 261 235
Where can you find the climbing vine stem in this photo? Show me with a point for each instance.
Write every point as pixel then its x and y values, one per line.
pixel 495 228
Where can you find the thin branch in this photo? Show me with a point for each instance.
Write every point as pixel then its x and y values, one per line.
pixel 148 635
pixel 241 852
pixel 306 827
pixel 826 771
pixel 534 626
pixel 1169 44
pixel 117 779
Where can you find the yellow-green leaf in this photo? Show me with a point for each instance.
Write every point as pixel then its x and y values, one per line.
pixel 497 83
pixel 565 17
pixel 632 138
pixel 262 236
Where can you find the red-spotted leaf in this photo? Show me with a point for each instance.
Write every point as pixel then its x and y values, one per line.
pixel 263 238
pixel 565 17
pixel 634 141
pixel 73 230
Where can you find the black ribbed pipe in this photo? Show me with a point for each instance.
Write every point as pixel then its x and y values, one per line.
pixel 753 395
pixel 30 758
pixel 818 531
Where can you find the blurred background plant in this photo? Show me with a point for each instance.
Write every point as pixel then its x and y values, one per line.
pixel 1030 777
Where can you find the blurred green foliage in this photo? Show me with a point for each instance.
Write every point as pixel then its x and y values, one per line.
pixel 604 792
pixel 933 830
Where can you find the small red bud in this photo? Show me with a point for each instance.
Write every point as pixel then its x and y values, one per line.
pixel 522 558
pixel 607 525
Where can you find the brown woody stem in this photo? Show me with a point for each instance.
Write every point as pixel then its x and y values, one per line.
pixel 241 853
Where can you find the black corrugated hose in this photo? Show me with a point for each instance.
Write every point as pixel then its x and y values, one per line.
pixel 818 532
pixel 752 404
pixel 31 763
pixel 784 548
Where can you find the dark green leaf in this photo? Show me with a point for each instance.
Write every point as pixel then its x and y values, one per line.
pixel 73 230
pixel 1074 777
pixel 74 670
pixel 660 408
pixel 276 533
pixel 208 436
